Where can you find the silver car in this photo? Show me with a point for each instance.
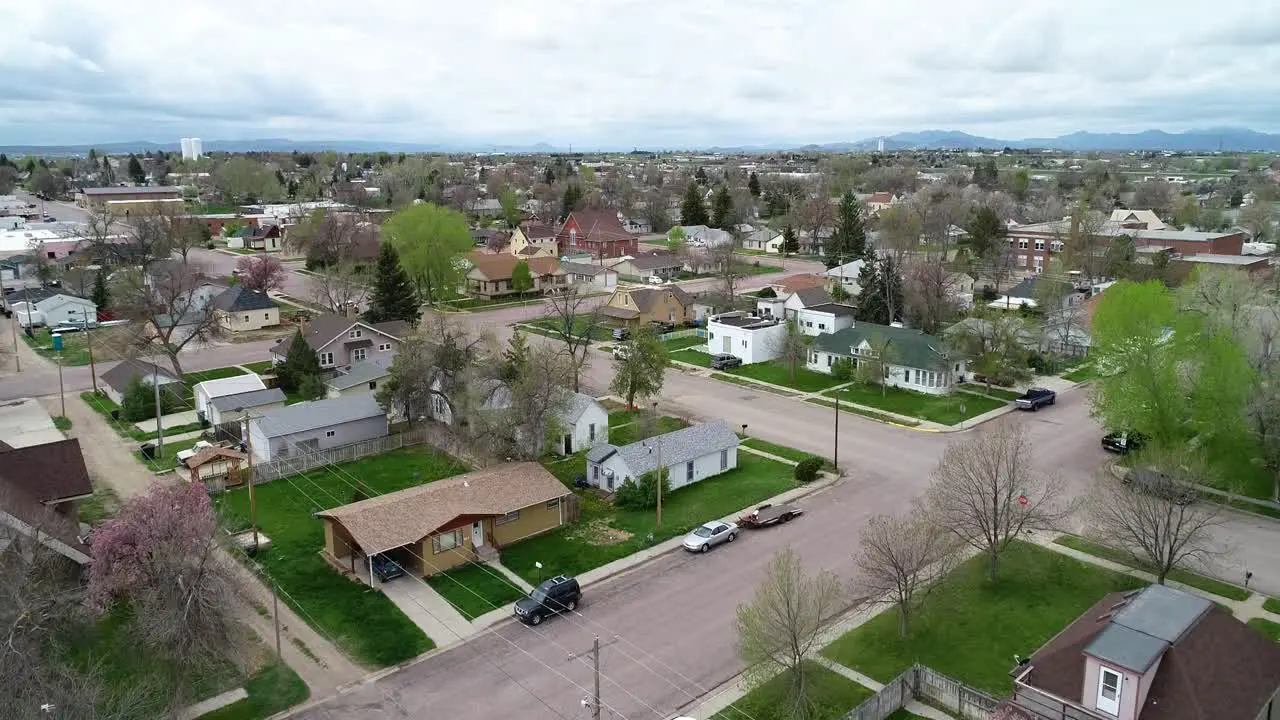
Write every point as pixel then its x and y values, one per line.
pixel 708 535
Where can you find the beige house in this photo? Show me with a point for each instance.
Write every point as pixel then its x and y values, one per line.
pixel 637 306
pixel 342 342
pixel 490 275
pixel 443 524
pixel 523 246
pixel 240 309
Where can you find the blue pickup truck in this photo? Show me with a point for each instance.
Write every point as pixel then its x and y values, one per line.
pixel 1035 398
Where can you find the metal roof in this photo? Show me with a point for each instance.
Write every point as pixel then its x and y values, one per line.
pixel 252 398
pixel 676 447
pixel 360 373
pixel 1129 649
pixel 1146 626
pixel 316 414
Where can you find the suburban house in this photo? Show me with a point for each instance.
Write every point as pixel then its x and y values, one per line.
pixel 585 424
pixel 689 455
pixel 847 275
pixel 918 362
pixel 640 268
pixel 530 240
pixel 240 309
pixel 1144 219
pixel 340 342
pixel 750 338
pixel 590 277
pixel 206 391
pixel 800 281
pixel 118 379
pixel 315 425
pixel 443 524
pixel 814 243
pixel 824 318
pixel 227 409
pixel 701 236
pixel 598 232
pixel 763 240
pixel 362 377
pixel 488 394
pixel 50 306
pixel 264 238
pixel 490 275
pixel 802 299
pixel 216 467
pixel 1151 654
pixel 1024 293
pixel 39 487
pixel 878 201
pixel 637 306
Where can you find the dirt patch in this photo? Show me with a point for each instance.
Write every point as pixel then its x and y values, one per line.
pixel 599 532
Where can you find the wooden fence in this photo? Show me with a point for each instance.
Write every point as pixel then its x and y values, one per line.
pixel 928 684
pixel 304 461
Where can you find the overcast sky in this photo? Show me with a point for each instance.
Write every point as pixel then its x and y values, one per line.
pixel 629 72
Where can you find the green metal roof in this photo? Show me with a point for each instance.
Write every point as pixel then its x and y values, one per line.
pixel 911 348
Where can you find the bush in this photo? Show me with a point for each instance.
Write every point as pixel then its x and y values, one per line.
pixel 139 402
pixel 767 293
pixel 844 369
pixel 807 470
pixel 643 495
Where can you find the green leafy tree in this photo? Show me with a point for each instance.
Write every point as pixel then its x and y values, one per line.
pixel 790 242
pixel 642 495
pixel 1259 220
pixel 722 209
pixel 299 364
pixel 311 388
pixel 676 240
pixel 393 295
pixel 431 241
pixel 136 173
pixel 100 296
pixel 1236 199
pixel 692 210
pixel 844 369
pixel 510 209
pixel 640 369
pixel 753 184
pixel 43 182
pixel 986 232
pixel 1188 213
pixel 139 401
pixel 521 278
pixel 792 348
pixel 1019 184
pixel 985 174
pixel 243 179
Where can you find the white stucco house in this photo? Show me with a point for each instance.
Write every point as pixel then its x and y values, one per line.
pixel 824 318
pixel 690 455
pixel 750 338
pixel 918 362
pixel 209 389
pixel 584 424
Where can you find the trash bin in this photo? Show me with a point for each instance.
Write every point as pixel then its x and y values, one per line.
pixel 115 414
pixel 148 450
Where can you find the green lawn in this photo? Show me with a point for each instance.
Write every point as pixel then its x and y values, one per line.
pixel 1081 374
pixel 994 392
pixel 100 506
pixel 581 326
pixel 75 346
pixel 192 379
pixel 1200 582
pixel 604 534
pixel 262 367
pixel 62 423
pixel 879 417
pixel 681 343
pixel 970 628
pixel 167 460
pixel 475 589
pixel 781 451
pixel 693 357
pixel 628 426
pixel 834 694
pixel 1270 628
pixel 273 689
pixel 804 380
pixel 480 303
pixel 743 382
pixel 942 409
pixel 104 406
pixel 363 621
pixel 904 714
pixel 1272 605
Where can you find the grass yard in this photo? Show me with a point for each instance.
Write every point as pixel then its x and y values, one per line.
pixel 479 303
pixel 970 628
pixel 781 451
pixel 834 694
pixel 168 460
pixel 191 379
pixel 904 714
pixel 743 382
pixel 871 414
pixel 109 343
pixel 995 392
pixel 262 367
pixel 604 534
pixel 942 409
pixel 100 506
pixel 1081 374
pixel 581 326
pixel 1272 605
pixel 363 621
pixel 104 406
pixel 628 426
pixel 1270 628
pixel 475 589
pixel 805 380
pixel 758 268
pixel 1200 582
pixel 273 689
pixel 62 423
pixel 681 343
pixel 693 357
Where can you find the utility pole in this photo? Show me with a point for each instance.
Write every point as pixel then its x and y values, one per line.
pixel 275 612
pixel 253 501
pixel 594 652
pixel 835 447
pixel 17 356
pixel 88 339
pixel 661 469
pixel 62 395
pixel 155 386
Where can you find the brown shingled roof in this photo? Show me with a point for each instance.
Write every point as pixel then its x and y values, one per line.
pixel 397 519
pixel 500 266
pixel 49 473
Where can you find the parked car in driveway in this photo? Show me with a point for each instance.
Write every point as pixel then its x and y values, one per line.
pixel 559 594
pixel 385 568
pixel 725 361
pixel 1121 443
pixel 708 535
pixel 622 352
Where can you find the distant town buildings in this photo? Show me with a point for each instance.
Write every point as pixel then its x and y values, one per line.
pixel 192 148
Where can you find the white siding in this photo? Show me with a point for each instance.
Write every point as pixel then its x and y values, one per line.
pixel 820 323
pixel 580 432
pixel 941 382
pixel 750 346
pixel 703 467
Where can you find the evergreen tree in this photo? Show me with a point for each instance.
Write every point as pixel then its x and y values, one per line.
pixel 985 174
pixel 393 295
pixel 753 184
pixel 722 208
pixel 692 211
pixel 136 173
pixel 299 364
pixel 700 176
pixel 515 359
pixel 872 307
pixel 891 289
pixel 549 176
pixel 790 243
pixel 99 295
pixel 571 199
pixel 850 238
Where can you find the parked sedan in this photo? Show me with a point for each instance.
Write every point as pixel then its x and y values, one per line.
pixel 708 535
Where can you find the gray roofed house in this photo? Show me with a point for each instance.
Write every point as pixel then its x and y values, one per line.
pixel 586 424
pixel 232 408
pixel 362 377
pixel 341 341
pixel 117 380
pixel 690 455
pixel 239 298
pixel 309 427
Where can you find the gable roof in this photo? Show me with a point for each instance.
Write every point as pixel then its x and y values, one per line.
pixel 678 447
pixel 360 373
pixel 655 261
pixel 1216 668
pixel 910 348
pixel 595 226
pixel 325 329
pixel 212 453
pixel 119 377
pixel 800 281
pixel 812 296
pixel 535 232
pixel 577 405
pixel 248 399
pixel 49 474
pixel 229 385
pixel 500 266
pixel 239 298
pixel 397 519
pixel 647 298
pixel 316 414
pixel 576 268
pixel 39 295
pixel 21 512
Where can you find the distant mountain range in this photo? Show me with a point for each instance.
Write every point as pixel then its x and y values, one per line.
pixel 1205 140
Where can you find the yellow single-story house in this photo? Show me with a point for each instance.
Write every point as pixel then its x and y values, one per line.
pixel 240 309
pixel 443 524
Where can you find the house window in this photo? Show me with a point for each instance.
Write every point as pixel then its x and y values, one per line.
pixel 1022 261
pixel 373 384
pixel 1109 682
pixel 326 358
pixel 510 517
pixel 328 433
pixel 711 336
pixel 1022 243
pixel 688 471
pixel 553 504
pixel 1039 264
pixel 355 333
pixel 1039 244
pixel 1056 246
pixel 591 432
pixel 724 459
pixel 744 342
pixel 358 354
pixel 822 326
pixel 446 541
pixel 830 360
pixel 246 318
pixel 383 347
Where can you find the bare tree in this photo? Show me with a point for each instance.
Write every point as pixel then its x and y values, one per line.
pixel 574 323
pixel 261 272
pixel 338 288
pixel 327 237
pixel 781 627
pixel 901 559
pixel 1157 523
pixel 526 416
pixel 928 286
pixel 726 266
pixel 170 309
pixel 791 348
pixel 987 491
pixel 437 365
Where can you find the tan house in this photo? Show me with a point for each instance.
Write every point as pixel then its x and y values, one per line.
pixel 240 309
pixel 490 275
pixel 441 525
pixel 342 342
pixel 539 245
pixel 636 306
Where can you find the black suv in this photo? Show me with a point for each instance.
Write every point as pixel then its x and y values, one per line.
pixel 725 361
pixel 1123 442
pixel 559 594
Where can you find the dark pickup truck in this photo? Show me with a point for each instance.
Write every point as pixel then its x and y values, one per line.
pixel 1035 398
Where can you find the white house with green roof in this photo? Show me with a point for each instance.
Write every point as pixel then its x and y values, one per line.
pixel 917 361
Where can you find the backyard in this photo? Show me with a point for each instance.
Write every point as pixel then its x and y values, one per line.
pixel 692 356
pixel 971 628
pixel 942 409
pixel 833 694
pixel 628 426
pixel 109 343
pixel 363 621
pixel 778 373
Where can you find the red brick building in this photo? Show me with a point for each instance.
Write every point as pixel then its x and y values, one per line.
pixel 1034 245
pixel 598 232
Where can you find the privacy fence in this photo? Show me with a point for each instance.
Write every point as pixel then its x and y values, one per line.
pixel 931 686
